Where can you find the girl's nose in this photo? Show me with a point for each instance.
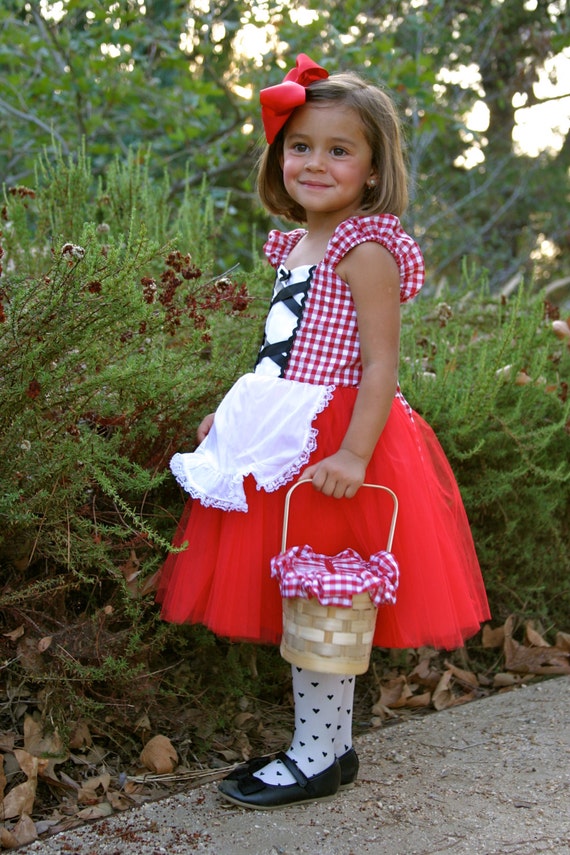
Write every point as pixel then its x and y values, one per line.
pixel 315 161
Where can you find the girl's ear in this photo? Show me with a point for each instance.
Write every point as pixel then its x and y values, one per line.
pixel 372 180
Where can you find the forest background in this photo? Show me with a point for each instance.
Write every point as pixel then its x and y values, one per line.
pixel 132 294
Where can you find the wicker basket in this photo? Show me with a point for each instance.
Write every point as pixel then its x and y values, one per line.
pixel 330 639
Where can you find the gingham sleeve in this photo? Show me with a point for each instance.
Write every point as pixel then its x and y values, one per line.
pixel 386 230
pixel 279 245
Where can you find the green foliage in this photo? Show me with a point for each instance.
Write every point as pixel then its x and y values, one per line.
pixel 117 335
pixel 174 78
pixel 491 378
pixel 105 347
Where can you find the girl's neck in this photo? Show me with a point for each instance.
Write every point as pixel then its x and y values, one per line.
pixel 321 224
pixel 313 245
pixel 309 250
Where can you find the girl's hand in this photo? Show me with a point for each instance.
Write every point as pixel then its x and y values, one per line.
pixel 339 475
pixel 205 427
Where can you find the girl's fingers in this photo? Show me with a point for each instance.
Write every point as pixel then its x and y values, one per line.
pixel 307 474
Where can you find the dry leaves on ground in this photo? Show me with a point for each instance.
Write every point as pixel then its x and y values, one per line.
pixel 94 793
pixel 430 685
pixel 82 785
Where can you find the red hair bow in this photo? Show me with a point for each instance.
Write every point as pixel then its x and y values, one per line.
pixel 278 102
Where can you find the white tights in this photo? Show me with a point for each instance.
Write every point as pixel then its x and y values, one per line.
pixel 323 724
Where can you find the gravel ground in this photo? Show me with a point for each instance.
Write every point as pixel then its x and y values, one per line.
pixel 488 778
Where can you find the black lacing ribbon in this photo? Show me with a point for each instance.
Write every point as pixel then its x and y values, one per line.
pixel 279 351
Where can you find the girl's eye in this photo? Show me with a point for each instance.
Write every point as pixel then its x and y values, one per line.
pixel 300 147
pixel 338 151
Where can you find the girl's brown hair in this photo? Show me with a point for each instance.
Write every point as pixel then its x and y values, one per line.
pixel 382 131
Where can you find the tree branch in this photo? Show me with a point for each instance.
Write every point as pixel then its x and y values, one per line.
pixel 534 101
pixel 48 37
pixel 28 117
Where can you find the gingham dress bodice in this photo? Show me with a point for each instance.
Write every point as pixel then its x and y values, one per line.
pixel 312 335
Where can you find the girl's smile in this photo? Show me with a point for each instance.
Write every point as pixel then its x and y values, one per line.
pixel 327 160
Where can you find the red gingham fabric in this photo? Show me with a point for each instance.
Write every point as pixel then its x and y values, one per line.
pixel 326 349
pixel 335 580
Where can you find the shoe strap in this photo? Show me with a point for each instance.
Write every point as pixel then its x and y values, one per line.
pixel 299 776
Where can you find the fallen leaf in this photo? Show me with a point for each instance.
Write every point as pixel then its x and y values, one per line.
pixel 85 796
pixel 159 755
pixel 533 637
pixel 7 839
pixel 27 762
pixel 132 788
pixel 95 811
pixel 80 737
pixel 49 777
pixel 245 721
pixel 493 637
pixel 69 781
pixel 103 781
pixel 66 824
pixel 33 733
pixel 130 570
pixel 43 826
pixel 40 744
pixel 419 701
pixel 150 584
pixel 394 693
pixel 15 634
pixel 381 714
pixel 468 678
pixel 443 696
pixel 229 755
pixel 533 660
pixel 7 741
pixel 425 675
pixel 44 643
pixel 562 640
pixel 503 680
pixel 21 798
pixel 536 660
pixel 143 723
pixel 119 801
pixel 25 830
pixel 131 567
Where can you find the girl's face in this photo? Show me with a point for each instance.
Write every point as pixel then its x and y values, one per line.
pixel 327 161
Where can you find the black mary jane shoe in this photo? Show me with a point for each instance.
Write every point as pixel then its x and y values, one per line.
pixel 250 792
pixel 348 763
pixel 249 768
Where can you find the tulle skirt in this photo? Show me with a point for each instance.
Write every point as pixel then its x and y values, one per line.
pixel 222 579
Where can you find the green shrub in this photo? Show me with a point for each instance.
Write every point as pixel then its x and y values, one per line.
pixel 491 378
pixel 106 355
pixel 117 335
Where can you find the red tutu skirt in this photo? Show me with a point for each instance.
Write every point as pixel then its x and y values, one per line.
pixel 222 579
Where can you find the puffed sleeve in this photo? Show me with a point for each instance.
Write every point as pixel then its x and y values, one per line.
pixel 279 245
pixel 386 230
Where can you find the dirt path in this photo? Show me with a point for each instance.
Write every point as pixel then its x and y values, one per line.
pixel 488 778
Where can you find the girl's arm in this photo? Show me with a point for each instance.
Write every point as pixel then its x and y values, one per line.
pixel 374 280
pixel 205 427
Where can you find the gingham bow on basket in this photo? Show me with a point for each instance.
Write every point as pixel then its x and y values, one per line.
pixel 334 580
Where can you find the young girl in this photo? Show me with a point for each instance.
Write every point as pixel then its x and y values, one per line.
pixel 323 403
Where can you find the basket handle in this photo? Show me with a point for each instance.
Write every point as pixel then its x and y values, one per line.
pixel 374 486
